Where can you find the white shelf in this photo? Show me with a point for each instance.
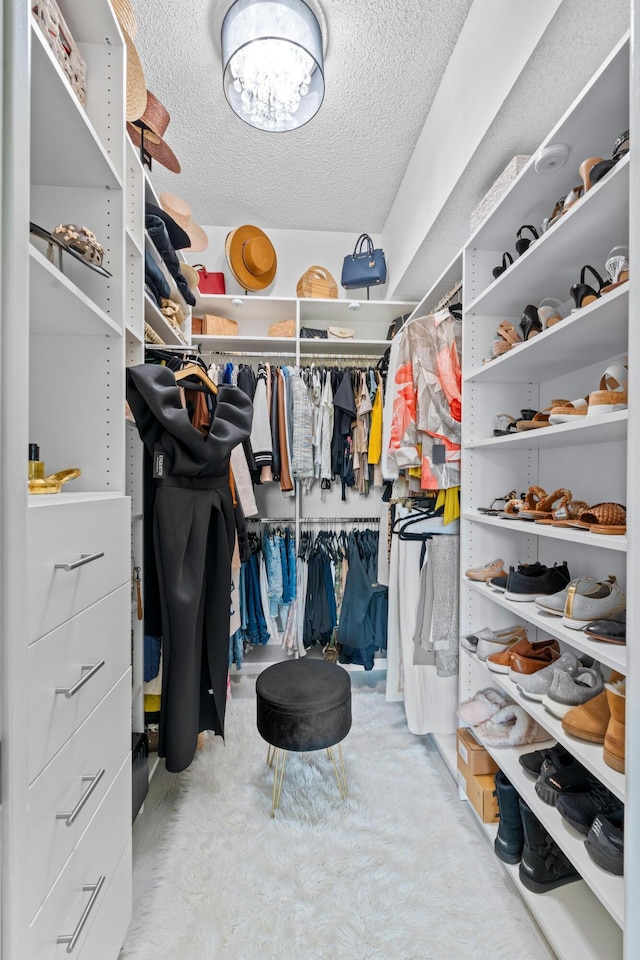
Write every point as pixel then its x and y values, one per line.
pixel 570 534
pixel 585 234
pixel 573 920
pixel 320 347
pixel 345 313
pixel 588 128
pixel 78 158
pixel 52 499
pixel 263 656
pixel 133 246
pixel 608 654
pixel 57 306
pixel 446 745
pixel 587 429
pixel 608 888
pixel 277 346
pixel 246 307
pixel 157 322
pixel 589 754
pixel 589 335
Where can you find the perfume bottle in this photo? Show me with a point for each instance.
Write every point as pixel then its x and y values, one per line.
pixel 36 465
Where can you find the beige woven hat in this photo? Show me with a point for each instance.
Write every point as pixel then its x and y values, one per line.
pixel 180 210
pixel 191 276
pixel 156 120
pixel 136 84
pixel 252 257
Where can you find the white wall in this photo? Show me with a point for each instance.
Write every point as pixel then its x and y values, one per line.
pixel 297 250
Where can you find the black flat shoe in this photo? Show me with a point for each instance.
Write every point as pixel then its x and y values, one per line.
pixel 523 243
pixel 530 322
pixel 499 270
pixel 582 293
pixel 611 631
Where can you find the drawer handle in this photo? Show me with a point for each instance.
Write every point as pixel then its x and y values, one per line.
pixel 84 558
pixel 92 669
pixel 72 938
pixel 93 783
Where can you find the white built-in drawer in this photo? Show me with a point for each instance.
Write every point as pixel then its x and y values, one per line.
pixel 80 890
pixel 106 935
pixel 67 534
pixel 93 649
pixel 75 783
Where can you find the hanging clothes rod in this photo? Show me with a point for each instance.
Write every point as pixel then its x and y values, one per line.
pixel 313 519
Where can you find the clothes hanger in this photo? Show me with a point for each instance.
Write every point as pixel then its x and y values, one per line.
pixel 195 370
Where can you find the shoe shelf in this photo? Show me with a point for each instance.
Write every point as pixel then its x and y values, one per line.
pixel 611 655
pixel 589 754
pixel 157 322
pixel 588 128
pixel 66 150
pixel 572 919
pixel 587 429
pixel 585 234
pixel 586 336
pixel 608 888
pixel 58 306
pixel 572 535
pixel 446 743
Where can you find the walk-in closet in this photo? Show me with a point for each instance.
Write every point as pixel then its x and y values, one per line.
pixel 318 451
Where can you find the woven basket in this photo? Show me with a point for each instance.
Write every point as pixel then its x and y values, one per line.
pixel 58 36
pixel 283 328
pixel 317 282
pixel 213 326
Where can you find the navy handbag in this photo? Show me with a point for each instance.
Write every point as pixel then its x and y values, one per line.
pixel 365 267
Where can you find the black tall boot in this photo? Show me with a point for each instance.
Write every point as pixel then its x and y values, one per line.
pixel 543 865
pixel 510 839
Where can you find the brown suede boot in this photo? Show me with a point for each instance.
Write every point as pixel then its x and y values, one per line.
pixel 590 720
pixel 613 754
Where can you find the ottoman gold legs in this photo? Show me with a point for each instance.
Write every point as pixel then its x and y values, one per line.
pixel 340 772
pixel 277 758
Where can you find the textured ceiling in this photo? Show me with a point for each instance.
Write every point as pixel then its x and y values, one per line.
pixel 384 63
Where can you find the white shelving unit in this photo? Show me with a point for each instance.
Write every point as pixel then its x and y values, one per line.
pixel 66 669
pixel 589 457
pixel 370 322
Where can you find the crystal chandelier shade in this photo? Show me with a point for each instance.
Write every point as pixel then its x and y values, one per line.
pixel 273 63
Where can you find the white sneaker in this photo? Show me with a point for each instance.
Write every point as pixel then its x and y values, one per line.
pixel 603 600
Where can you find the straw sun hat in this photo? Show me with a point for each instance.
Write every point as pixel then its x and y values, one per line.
pixel 136 85
pixel 251 256
pixel 177 208
pixel 156 118
pixel 190 274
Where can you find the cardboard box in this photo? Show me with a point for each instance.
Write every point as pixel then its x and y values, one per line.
pixel 480 792
pixel 196 326
pixel 473 759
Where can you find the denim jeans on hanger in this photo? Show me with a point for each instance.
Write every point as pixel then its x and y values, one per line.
pixel 272 544
pixel 288 567
pixel 256 623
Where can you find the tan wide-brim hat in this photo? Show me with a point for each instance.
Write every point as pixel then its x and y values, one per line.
pixel 251 256
pixel 136 84
pixel 180 210
pixel 191 276
pixel 156 117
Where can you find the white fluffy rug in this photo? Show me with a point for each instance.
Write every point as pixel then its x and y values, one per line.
pixel 396 872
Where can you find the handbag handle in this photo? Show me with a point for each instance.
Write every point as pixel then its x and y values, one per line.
pixel 320 272
pixel 362 239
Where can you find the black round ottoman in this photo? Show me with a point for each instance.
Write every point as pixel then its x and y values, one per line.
pixel 303 705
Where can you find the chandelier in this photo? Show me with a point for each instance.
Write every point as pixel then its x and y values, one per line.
pixel 273 63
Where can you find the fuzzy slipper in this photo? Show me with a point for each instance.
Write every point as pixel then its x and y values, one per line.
pixel 511 726
pixel 484 705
